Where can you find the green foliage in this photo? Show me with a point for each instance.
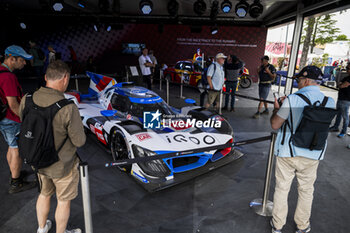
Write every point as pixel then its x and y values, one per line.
pixel 320 62
pixel 342 37
pixel 325 30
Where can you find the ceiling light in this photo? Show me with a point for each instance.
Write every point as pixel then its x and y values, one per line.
pixel 242 9
pixel 173 7
pixel 199 7
pixel 226 6
pixel 256 9
pixel 214 30
pixel 95 28
pixel 214 9
pixel 58 5
pixel 109 28
pixel 146 7
pixel 23 26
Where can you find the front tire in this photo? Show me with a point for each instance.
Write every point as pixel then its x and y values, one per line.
pixel 245 82
pixel 119 148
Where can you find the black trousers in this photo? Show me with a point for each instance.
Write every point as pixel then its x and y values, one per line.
pixel 147 80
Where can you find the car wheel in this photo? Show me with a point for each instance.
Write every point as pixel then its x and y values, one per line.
pixel 119 148
pixel 245 82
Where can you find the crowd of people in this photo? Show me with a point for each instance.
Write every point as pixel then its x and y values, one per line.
pixel 293 158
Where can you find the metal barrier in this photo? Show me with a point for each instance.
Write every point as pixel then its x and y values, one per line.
pixel 263 206
pixel 167 91
pixel 160 79
pixel 85 187
pixel 220 103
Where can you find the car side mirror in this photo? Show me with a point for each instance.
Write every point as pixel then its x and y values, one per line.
pixel 108 113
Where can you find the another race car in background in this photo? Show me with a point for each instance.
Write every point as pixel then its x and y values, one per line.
pixel 189 72
pixel 116 114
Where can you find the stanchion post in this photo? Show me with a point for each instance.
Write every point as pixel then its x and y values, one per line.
pixel 167 91
pixel 220 102
pixel 160 79
pixel 263 206
pixel 181 87
pixel 127 74
pixel 85 187
pixel 76 83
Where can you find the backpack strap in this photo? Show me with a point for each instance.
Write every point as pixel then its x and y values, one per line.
pixel 304 98
pixel 324 102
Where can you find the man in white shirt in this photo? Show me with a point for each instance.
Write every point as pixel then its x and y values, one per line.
pixel 145 66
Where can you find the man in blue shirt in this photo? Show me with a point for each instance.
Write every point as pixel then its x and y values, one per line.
pixel 216 79
pixel 295 161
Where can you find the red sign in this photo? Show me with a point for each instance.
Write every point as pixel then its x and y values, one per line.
pixel 143 136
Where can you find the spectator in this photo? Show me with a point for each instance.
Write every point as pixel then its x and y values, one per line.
pixel 343 105
pixel 267 73
pixel 145 65
pixel 232 66
pixel 11 93
pixel 295 161
pixel 153 58
pixel 73 59
pixel 52 54
pixel 204 85
pixel 90 64
pixel 216 79
pixel 61 177
pixel 38 61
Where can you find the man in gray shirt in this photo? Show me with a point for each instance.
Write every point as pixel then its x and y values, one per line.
pixel 216 78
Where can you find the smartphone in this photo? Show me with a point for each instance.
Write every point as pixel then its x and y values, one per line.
pixel 278 97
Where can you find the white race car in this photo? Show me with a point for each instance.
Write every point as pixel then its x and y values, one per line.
pixel 135 122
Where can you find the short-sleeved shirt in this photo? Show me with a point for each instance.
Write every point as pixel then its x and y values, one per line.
pixel 297 104
pixel 232 70
pixel 344 93
pixel 217 76
pixel 264 76
pixel 144 69
pixel 9 87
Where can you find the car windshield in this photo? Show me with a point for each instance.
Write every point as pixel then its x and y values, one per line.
pixel 197 67
pixel 137 109
pixel 187 66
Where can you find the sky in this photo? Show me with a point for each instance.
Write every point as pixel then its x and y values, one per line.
pixel 278 34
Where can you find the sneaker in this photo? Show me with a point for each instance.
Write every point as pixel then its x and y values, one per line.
pixel 20 186
pixel 274 230
pixel 266 112
pixel 341 135
pixel 232 110
pixel 256 115
pixel 224 108
pixel 46 228
pixel 308 229
pixel 77 230
pixel 333 129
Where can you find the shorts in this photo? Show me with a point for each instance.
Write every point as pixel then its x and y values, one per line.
pixel 66 188
pixel 213 96
pixel 264 90
pixel 10 130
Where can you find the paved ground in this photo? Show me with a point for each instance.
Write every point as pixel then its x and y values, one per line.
pixel 213 203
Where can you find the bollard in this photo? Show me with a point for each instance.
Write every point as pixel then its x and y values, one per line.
pixel 127 74
pixel 220 102
pixel 76 83
pixel 84 176
pixel 263 206
pixel 167 91
pixel 160 79
pixel 181 88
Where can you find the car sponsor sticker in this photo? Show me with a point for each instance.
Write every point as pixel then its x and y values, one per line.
pixel 143 136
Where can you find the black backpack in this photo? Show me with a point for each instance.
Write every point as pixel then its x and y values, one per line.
pixel 36 140
pixel 312 131
pixel 204 78
pixel 3 102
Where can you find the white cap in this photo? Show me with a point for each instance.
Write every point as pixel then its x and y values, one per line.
pixel 220 55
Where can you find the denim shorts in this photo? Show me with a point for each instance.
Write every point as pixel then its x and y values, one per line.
pixel 264 90
pixel 10 130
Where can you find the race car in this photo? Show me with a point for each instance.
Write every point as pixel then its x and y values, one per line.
pixel 189 72
pixel 135 122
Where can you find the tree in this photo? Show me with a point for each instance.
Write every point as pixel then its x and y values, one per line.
pixel 342 37
pixel 317 31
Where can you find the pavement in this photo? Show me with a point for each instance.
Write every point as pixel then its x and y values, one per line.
pixel 217 202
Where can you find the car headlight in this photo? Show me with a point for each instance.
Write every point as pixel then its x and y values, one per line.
pixel 142 152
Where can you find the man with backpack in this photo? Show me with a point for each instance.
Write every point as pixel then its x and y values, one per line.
pixel 216 79
pixel 303 121
pixel 10 95
pixel 47 112
pixel 37 62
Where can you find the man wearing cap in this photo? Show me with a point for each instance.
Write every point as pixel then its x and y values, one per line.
pixel 216 79
pixel 267 73
pixel 295 161
pixel 11 94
